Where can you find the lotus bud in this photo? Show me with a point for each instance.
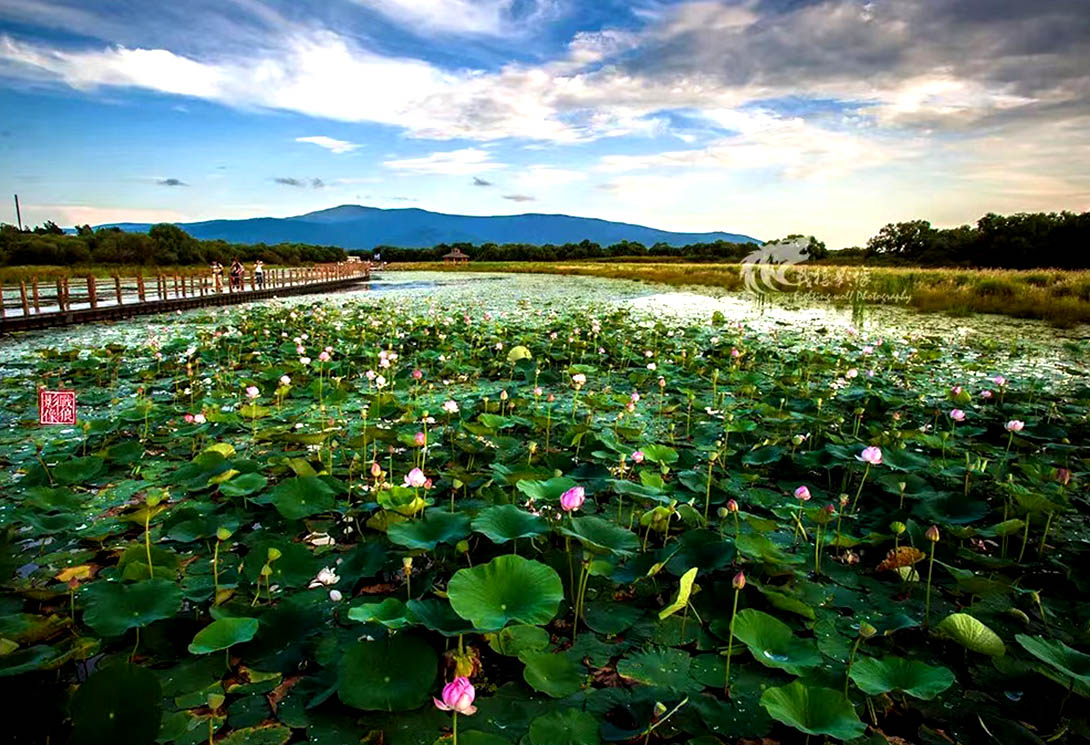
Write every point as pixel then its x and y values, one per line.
pixel 407 564
pixel 376 469
pixel 932 534
pixel 739 581
pixel 866 630
pixel 722 512
pixel 222 534
pixel 732 505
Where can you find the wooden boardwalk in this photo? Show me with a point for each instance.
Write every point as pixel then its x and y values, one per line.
pixel 67 300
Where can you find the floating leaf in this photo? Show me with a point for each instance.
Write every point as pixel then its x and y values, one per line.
pixel 915 678
pixel 120 705
pixel 223 633
pixel 664 667
pixel 302 496
pixel 558 675
pixel 428 532
pixel 507 522
pixel 971 634
pixel 112 608
pixel 813 710
pixel 393 674
pixel 567 727
pixel 508 588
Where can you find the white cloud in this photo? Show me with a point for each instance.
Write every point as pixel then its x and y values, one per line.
pixel 331 144
pixel 545 176
pixel 486 17
pixel 82 214
pixel 462 162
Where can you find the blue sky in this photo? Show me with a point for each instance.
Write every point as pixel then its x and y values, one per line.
pixel 765 117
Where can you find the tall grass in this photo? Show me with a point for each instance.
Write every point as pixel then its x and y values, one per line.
pixel 1062 298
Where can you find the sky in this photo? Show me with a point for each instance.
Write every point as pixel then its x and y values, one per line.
pixel 763 117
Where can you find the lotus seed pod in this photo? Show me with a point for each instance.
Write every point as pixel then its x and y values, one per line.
pixel 866 630
pixel 222 534
pixel 462 546
pixel 897 528
pixel 274 554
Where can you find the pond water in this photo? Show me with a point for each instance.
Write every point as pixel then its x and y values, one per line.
pixel 980 344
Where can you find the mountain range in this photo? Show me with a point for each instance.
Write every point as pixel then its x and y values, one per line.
pixel 352 226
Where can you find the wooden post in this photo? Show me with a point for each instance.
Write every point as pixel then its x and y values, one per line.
pixel 117 289
pixel 67 295
pixel 3 311
pixel 176 285
pixel 34 289
pixel 60 295
pixel 140 286
pixel 22 297
pixel 92 296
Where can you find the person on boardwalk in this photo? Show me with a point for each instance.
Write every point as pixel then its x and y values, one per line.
pixel 236 274
pixel 259 274
pixel 217 275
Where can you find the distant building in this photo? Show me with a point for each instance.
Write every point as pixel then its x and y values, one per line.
pixel 354 259
pixel 456 257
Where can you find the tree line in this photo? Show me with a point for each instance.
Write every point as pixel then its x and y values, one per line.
pixel 162 245
pixel 1021 241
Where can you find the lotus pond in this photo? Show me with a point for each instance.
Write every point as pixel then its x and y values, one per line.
pixel 524 512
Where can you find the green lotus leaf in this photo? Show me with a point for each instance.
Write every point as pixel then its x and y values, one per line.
pixel 24 660
pixel 118 705
pixel 391 613
pixel 685 589
pixel 971 634
pixel 1071 663
pixel 508 588
pixel 567 727
pixel 602 536
pixel 514 641
pixel 262 734
pixel 112 608
pixel 223 633
pixel 507 522
pixel 761 548
pixel 813 710
pixel 78 470
pixel 772 642
pixel 661 454
pixel 558 675
pixel 396 673
pixel 435 614
pixel 429 531
pixel 244 485
pixel 664 667
pixel 913 677
pixel 302 496
pixel 517 353
pixel 545 491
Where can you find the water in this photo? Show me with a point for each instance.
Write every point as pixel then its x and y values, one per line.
pixel 982 345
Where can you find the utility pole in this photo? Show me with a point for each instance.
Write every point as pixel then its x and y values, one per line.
pixel 18 214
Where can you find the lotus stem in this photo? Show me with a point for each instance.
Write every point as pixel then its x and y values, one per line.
pixel 1044 536
pixel 147 539
pixel 730 639
pixel 708 491
pixel 216 574
pixel 927 602
pixel 1025 539
pixel 851 661
pixel 855 502
pixel 455 728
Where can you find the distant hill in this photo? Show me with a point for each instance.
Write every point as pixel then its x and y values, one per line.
pixel 352 226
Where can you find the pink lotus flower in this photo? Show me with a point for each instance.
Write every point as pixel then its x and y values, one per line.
pixel 871 455
pixel 376 469
pixel 300 349
pixel 852 373
pixel 538 391
pixel 415 478
pixel 957 415
pixel 252 392
pixel 198 419
pixel 802 493
pixel 579 379
pixel 458 696
pixel 418 374
pixel 285 380
pixel 985 394
pixel 324 357
pixel 451 407
pixel 572 499
pixel 999 380
pixel 638 456
pixel 734 353
pixel 188 418
pixel 1014 425
pixel 955 391
pixel 420 439
pixel 635 397
pixel 329 349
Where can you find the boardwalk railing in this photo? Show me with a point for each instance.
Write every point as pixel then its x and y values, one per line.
pixel 36 304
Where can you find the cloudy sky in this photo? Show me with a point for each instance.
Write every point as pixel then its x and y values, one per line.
pixel 764 117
